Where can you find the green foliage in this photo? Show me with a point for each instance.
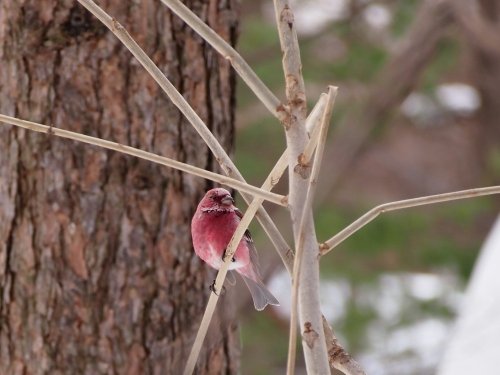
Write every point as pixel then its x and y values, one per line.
pixel 494 162
pixel 410 240
pixel 432 308
pixel 362 62
pixel 259 45
pixel 258 147
pixel 355 323
pixel 465 213
pixel 253 329
pixel 443 252
pixel 257 35
pixel 403 16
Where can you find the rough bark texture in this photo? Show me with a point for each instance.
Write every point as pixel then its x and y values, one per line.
pixel 97 272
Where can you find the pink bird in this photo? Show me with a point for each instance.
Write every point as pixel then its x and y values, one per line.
pixel 212 227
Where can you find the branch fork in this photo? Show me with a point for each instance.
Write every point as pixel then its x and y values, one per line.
pixel 321 348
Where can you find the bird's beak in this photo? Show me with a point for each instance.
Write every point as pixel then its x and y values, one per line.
pixel 227 200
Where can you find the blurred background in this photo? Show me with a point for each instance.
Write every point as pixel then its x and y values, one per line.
pixel 417 114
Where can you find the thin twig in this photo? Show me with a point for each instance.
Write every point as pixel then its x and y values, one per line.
pixel 226 164
pixel 229 53
pixel 352 228
pixel 269 183
pixel 273 178
pixel 313 126
pixel 323 129
pixel 174 95
pixel 228 181
pixel 292 65
pixel 220 155
pixel 217 287
pixel 296 137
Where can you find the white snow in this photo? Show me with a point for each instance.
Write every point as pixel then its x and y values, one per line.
pixel 475 346
pixel 312 16
pixel 377 16
pixel 458 97
pixel 419 107
pixel 426 287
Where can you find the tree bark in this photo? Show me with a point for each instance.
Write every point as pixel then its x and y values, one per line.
pixel 97 271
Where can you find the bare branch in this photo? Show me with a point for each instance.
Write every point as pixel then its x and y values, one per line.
pixel 296 99
pixel 273 179
pixel 217 287
pixel 296 136
pixel 292 65
pixel 220 155
pixel 269 183
pixel 313 127
pixel 220 45
pixel 228 181
pixel 352 228
pixel 323 129
pixel 337 356
pixel 174 95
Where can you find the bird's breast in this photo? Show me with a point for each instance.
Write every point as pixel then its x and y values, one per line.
pixel 211 235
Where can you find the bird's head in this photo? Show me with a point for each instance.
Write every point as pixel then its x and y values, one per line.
pixel 217 199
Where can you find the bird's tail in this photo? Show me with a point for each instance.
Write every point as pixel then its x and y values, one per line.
pixel 260 294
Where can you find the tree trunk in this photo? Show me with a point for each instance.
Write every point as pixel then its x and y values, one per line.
pixel 97 271
pixel 485 69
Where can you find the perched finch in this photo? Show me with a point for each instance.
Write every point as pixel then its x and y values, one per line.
pixel 212 227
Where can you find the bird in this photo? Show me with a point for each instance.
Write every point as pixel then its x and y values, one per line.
pixel 212 227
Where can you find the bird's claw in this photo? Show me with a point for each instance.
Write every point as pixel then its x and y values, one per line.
pixel 224 256
pixel 214 291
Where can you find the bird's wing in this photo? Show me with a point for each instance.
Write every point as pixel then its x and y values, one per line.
pixel 254 257
pixel 230 278
pixel 247 236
